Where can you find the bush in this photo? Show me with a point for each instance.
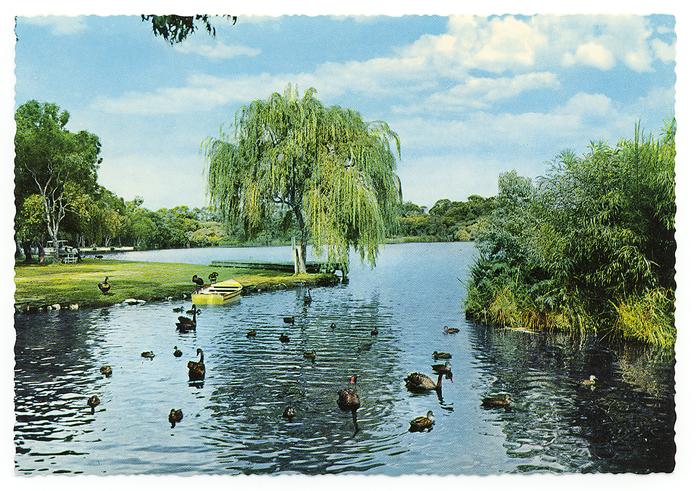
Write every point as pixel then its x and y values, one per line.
pixel 647 318
pixel 588 247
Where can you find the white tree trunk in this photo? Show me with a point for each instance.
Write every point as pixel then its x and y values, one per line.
pixel 299 252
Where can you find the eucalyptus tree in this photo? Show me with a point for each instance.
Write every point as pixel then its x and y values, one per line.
pixel 48 157
pixel 333 173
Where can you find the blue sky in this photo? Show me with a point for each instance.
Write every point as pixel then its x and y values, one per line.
pixel 470 97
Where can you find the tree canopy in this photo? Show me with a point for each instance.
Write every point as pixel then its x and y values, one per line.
pixel 446 220
pixel 589 246
pixel 50 159
pixel 331 171
pixel 176 28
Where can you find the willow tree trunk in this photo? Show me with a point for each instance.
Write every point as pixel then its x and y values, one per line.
pixel 299 251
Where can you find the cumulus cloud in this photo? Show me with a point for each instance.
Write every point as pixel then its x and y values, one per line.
pixel 572 124
pixel 482 92
pixel 664 51
pixel 592 54
pixel 530 48
pixel 378 76
pixel 466 155
pixel 58 26
pixel 504 43
pixel 217 50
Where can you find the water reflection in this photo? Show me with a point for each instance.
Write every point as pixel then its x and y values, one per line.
pixel 559 424
pixel 232 420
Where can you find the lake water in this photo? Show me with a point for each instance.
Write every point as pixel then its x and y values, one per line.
pixel 232 423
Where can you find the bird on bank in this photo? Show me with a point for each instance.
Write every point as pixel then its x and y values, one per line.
pixel 441 355
pixel 93 402
pixel 374 331
pixel 104 286
pixel 284 338
pixel 177 353
pixel 496 401
pixel 199 282
pixel 185 324
pixel 148 354
pixel 349 400
pixel 251 334
pixel 420 382
pixel 106 370
pixel 590 381
pixel 288 413
pixel 175 416
pixel 196 368
pixel 450 330
pixel 422 423
pixel 310 355
pixel 307 297
pixel 288 319
pixel 213 277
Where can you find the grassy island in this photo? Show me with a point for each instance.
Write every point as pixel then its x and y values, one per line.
pixel 39 286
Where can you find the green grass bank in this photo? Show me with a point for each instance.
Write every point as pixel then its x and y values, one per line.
pixel 39 286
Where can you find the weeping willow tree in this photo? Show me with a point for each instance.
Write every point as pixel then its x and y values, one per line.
pixel 332 172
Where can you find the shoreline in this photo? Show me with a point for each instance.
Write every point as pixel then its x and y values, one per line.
pixel 74 286
pixel 428 239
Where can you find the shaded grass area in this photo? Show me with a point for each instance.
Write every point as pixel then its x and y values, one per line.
pixel 39 286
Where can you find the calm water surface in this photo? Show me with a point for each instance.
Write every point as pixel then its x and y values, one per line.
pixel 232 424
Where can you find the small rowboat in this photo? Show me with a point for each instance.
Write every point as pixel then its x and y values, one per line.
pixel 217 293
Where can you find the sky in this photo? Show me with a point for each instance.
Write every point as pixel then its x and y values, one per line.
pixel 470 97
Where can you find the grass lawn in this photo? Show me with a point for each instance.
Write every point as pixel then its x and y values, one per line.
pixel 39 286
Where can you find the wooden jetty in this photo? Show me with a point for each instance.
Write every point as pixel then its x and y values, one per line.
pixel 287 267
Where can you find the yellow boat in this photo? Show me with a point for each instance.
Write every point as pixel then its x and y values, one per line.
pixel 217 293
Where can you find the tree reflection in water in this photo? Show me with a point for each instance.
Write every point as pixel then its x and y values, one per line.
pixel 622 424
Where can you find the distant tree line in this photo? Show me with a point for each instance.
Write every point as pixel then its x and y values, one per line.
pixel 57 197
pixel 446 220
pixel 57 194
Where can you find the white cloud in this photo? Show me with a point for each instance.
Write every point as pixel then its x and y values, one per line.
pixel 378 76
pixel 528 47
pixel 504 43
pixel 457 157
pixel 664 51
pixel 217 50
pixel 481 92
pixel 591 54
pixel 58 26
pixel 572 124
pixel 584 105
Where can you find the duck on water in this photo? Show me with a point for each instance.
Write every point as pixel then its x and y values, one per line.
pixel 185 324
pixel 349 400
pixel 420 382
pixel 196 369
pixel 422 423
